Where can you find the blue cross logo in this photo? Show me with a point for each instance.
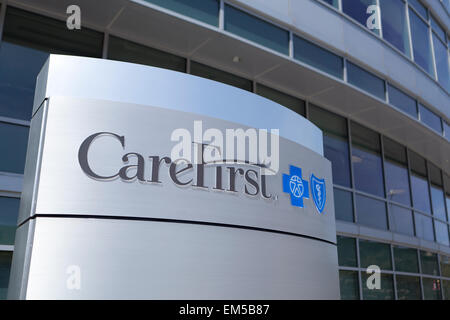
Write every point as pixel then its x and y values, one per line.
pixel 294 184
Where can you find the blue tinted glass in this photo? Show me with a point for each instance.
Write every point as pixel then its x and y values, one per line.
pixel 317 57
pixel 441 232
pixel 442 67
pixel 19 67
pixel 402 101
pixel 368 172
pixel 420 194
pixel 437 28
pixel 395 27
pixel 419 7
pixel 334 3
pixel 257 30
pixel 9 210
pixel 402 220
pixel 447 130
pixel 430 118
pixel 371 212
pixel 397 182
pixel 336 150
pixel 437 201
pixel 203 10
pixel 14 148
pixel 5 268
pixel 365 80
pixel 357 9
pixel 343 205
pixel 424 227
pixel 421 42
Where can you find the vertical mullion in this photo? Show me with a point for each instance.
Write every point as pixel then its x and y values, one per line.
pixel 389 220
pixel 394 275
pixel 429 198
pixel 379 17
pixel 420 271
pixel 408 22
pixel 358 261
pixel 221 15
pixel 352 178
pixel 105 44
pixel 411 203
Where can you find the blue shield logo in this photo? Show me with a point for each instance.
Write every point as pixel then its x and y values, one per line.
pixel 318 191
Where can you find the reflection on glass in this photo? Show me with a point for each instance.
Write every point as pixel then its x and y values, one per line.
pixel 346 251
pixel 420 8
pixel 429 263
pixel 430 118
pixel 421 42
pixel 445 266
pixel 385 293
pixel 406 259
pixel 442 64
pixel 395 27
pixel 397 182
pixel 420 194
pixel 357 9
pixel 402 101
pixel 365 81
pixel 371 212
pixel 408 288
pixel 375 253
pixel 431 289
pixel 343 205
pixel 424 227
pixel 14 148
pixel 5 268
pixel 9 210
pixel 348 282
pixel 441 232
pixel 437 200
pixel 402 220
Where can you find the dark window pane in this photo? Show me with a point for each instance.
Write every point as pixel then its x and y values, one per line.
pixel 128 51
pixel 334 3
pixel 421 9
pixel 9 210
pixel 204 71
pixel 437 200
pixel 406 259
pixel 375 253
pixel 408 288
pixel 430 119
pixel 445 266
pixel 357 9
pixel 431 289
pixel 371 212
pixel 365 80
pixel 424 227
pixel 295 104
pixel 420 194
pixel 346 251
pixel 366 160
pixel 343 205
pixel 435 175
pixel 421 42
pixel 348 281
pixel 255 29
pixel 335 140
pixel 442 66
pixel 394 151
pixel 385 293
pixel 318 57
pixel 5 268
pixel 429 263
pixel 402 101
pixel 446 287
pixel 402 220
pixel 395 27
pixel 397 182
pixel 203 10
pixel 441 232
pixel 418 164
pixel 14 148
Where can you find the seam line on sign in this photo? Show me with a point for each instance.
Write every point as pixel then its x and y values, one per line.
pixel 216 224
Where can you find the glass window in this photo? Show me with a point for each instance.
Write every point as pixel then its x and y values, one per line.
pixel 437 200
pixel 421 42
pixel 9 211
pixel 437 28
pixel 204 10
pixel 402 101
pixel 14 148
pixel 343 205
pixel 124 50
pixel 371 212
pixel 431 289
pixel 430 118
pixel 395 27
pixel 424 227
pixel 255 29
pixel 335 140
pixel 366 160
pixel 442 66
pixel 408 288
pixel 406 259
pixel 375 253
pixel 5 268
pixel 441 232
pixel 348 281
pixel 445 266
pixel 295 104
pixel 205 71
pixel 318 57
pixel 334 3
pixel 402 220
pixel 447 130
pixel 27 40
pixel 421 9
pixel 385 293
pixel 446 287
pixel 365 81
pixel 429 263
pixel 419 183
pixel 346 251
pixel 357 9
pixel 396 172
